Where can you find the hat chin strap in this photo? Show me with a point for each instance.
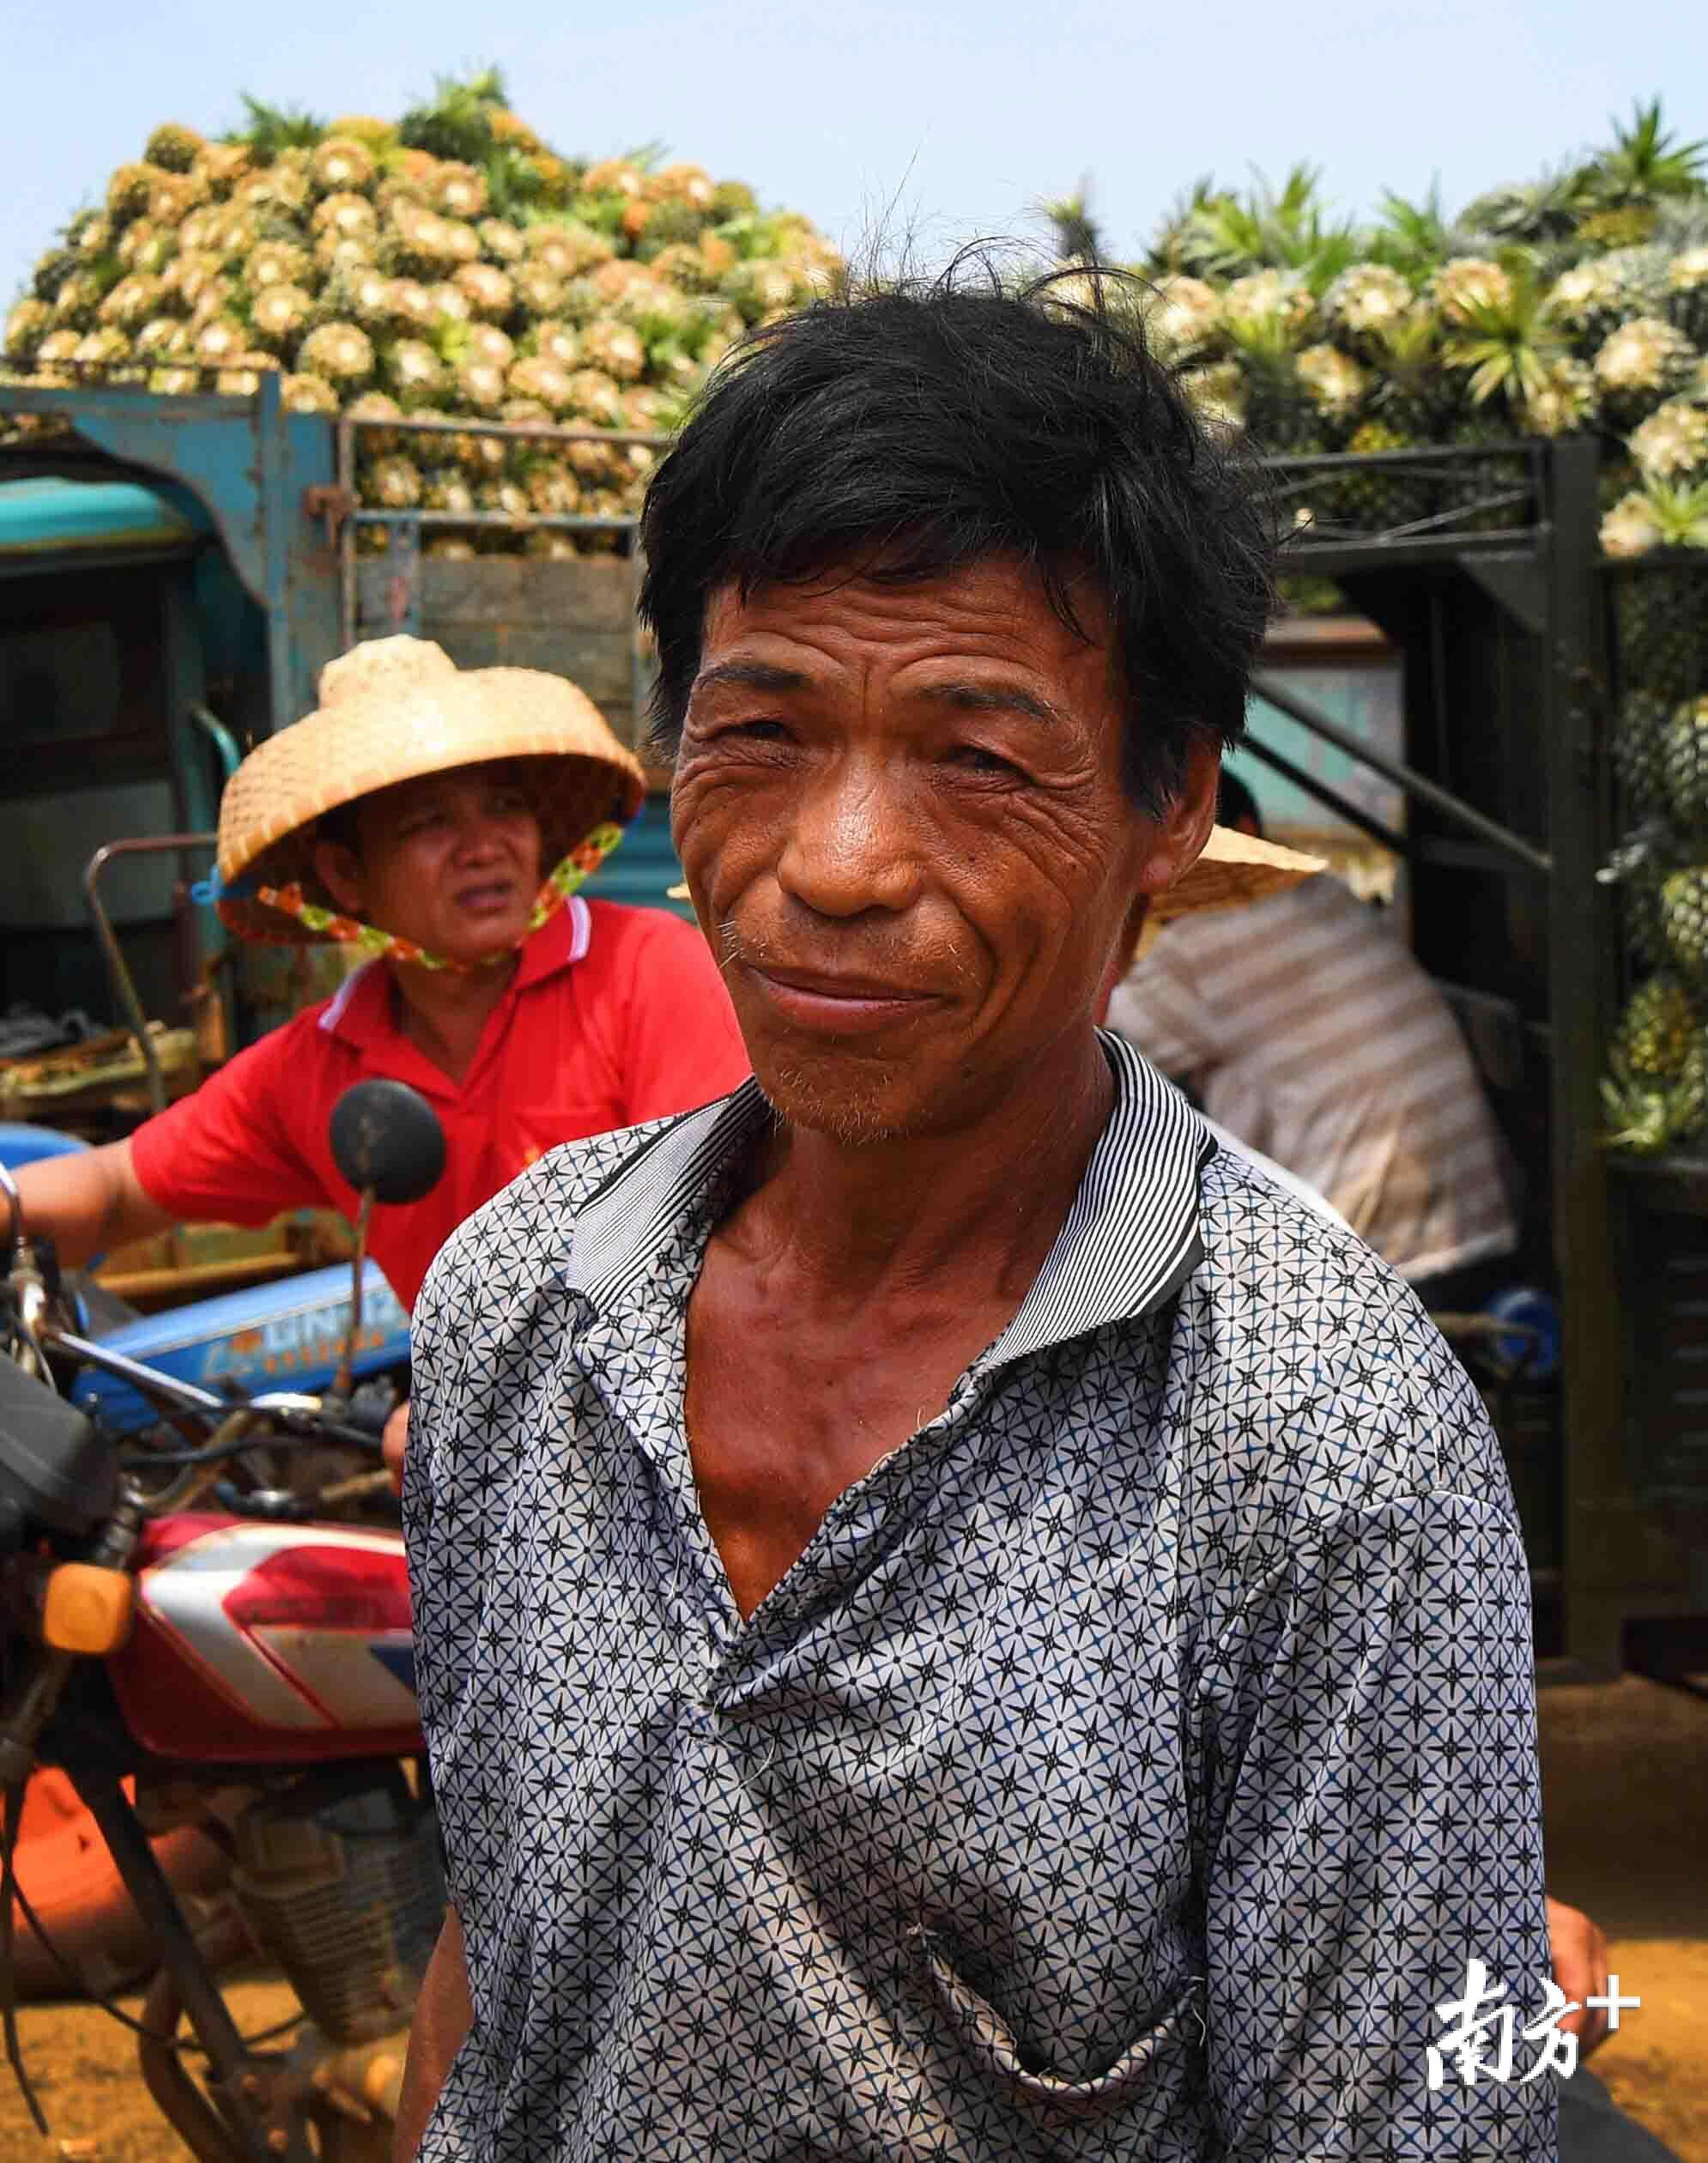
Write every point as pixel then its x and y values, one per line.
pixel 563 880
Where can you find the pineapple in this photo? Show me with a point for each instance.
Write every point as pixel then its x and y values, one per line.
pixel 101 351
pixel 762 290
pixel 460 242
pixel 78 301
pixel 451 547
pixel 539 289
pixel 553 492
pixel 345 214
pixel 128 193
pixel 1639 731
pixel 1659 1026
pixel 244 380
pixel 1363 304
pixel 341 165
pixel 1594 297
pixel 1641 366
pixel 415 371
pixel 363 294
pixel 1279 413
pixel 1415 394
pixel 442 488
pixel 277 263
pixel 481 387
pixel 278 316
pixel 132 301
pixel 1684 761
pixel 220 341
pixel 1684 919
pixel 27 324
pixel 174 197
pixel 1564 400
pixel 1468 285
pixel 1651 1115
pixel 551 548
pixel 1335 384
pixel 222 166
pixel 1630 528
pixel 1672 444
pixel 451 305
pixel 173 148
pixel 486 342
pixel 394 483
pixel 458 191
pixel 615 349
pixel 409 304
pixel 338 255
pixel 1687 297
pixel 594 398
pixel 372 406
pixel 59 348
pixel 502 242
pixel 308 394
pixel 1660 605
pixel 491 294
pixel 544 381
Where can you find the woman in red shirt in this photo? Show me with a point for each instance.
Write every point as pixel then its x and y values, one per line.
pixel 442 821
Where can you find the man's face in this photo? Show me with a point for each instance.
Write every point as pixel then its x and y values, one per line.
pixel 901 815
pixel 451 861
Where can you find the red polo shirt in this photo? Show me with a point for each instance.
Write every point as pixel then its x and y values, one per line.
pixel 614 1016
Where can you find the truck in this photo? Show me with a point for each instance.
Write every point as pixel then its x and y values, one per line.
pixel 184 566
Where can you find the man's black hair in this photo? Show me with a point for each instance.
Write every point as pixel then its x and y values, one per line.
pixel 1235 801
pixel 911 431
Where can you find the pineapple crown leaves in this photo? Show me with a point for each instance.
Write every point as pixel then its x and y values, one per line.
pixel 267 129
pixel 1511 347
pixel 1645 161
pixel 1288 229
pixel 1078 236
pixel 1413 237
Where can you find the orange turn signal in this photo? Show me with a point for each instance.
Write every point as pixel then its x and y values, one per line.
pixel 86 1609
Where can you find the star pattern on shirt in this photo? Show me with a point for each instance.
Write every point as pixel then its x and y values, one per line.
pixel 1126 1769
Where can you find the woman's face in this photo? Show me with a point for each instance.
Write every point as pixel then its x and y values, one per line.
pixel 451 861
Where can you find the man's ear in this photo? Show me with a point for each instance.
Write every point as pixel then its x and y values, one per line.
pixel 341 874
pixel 1176 838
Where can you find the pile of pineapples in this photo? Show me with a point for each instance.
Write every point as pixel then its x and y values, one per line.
pixel 1579 304
pixel 1655 1089
pixel 1576 306
pixel 451 265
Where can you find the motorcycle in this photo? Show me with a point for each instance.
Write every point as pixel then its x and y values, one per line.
pixel 245 1670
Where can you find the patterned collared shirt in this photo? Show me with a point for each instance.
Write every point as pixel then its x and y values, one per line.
pixel 1130 1767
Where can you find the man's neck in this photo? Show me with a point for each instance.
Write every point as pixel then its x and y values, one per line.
pixel 886 1219
pixel 443 1013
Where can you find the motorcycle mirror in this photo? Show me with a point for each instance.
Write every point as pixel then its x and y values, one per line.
pixel 387 1141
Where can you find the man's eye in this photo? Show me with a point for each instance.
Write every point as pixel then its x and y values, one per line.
pixel 978 758
pixel 757 731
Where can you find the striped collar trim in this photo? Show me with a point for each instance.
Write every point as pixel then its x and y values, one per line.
pixel 1130 1240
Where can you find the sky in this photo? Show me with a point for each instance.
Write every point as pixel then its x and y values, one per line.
pixel 949 120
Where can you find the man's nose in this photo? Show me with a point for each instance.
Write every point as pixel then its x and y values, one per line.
pixel 850 845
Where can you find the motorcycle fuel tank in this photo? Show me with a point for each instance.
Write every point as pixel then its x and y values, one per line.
pixel 286 1335
pixel 269 1644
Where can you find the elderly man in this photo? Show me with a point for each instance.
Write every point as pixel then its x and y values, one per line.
pixel 952 1619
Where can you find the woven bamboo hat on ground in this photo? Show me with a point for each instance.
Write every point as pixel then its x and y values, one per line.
pixel 1235 868
pixel 392 710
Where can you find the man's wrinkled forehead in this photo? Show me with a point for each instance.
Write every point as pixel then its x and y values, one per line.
pixel 998 607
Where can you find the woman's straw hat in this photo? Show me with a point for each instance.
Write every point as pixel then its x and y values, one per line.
pixel 392 710
pixel 1235 868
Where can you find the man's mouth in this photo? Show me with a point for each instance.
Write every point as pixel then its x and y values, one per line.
pixel 835 1002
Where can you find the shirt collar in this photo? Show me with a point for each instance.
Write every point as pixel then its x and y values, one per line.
pixel 361 1011
pixel 1130 1240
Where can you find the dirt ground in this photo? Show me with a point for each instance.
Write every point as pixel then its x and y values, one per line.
pixel 1625 1773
